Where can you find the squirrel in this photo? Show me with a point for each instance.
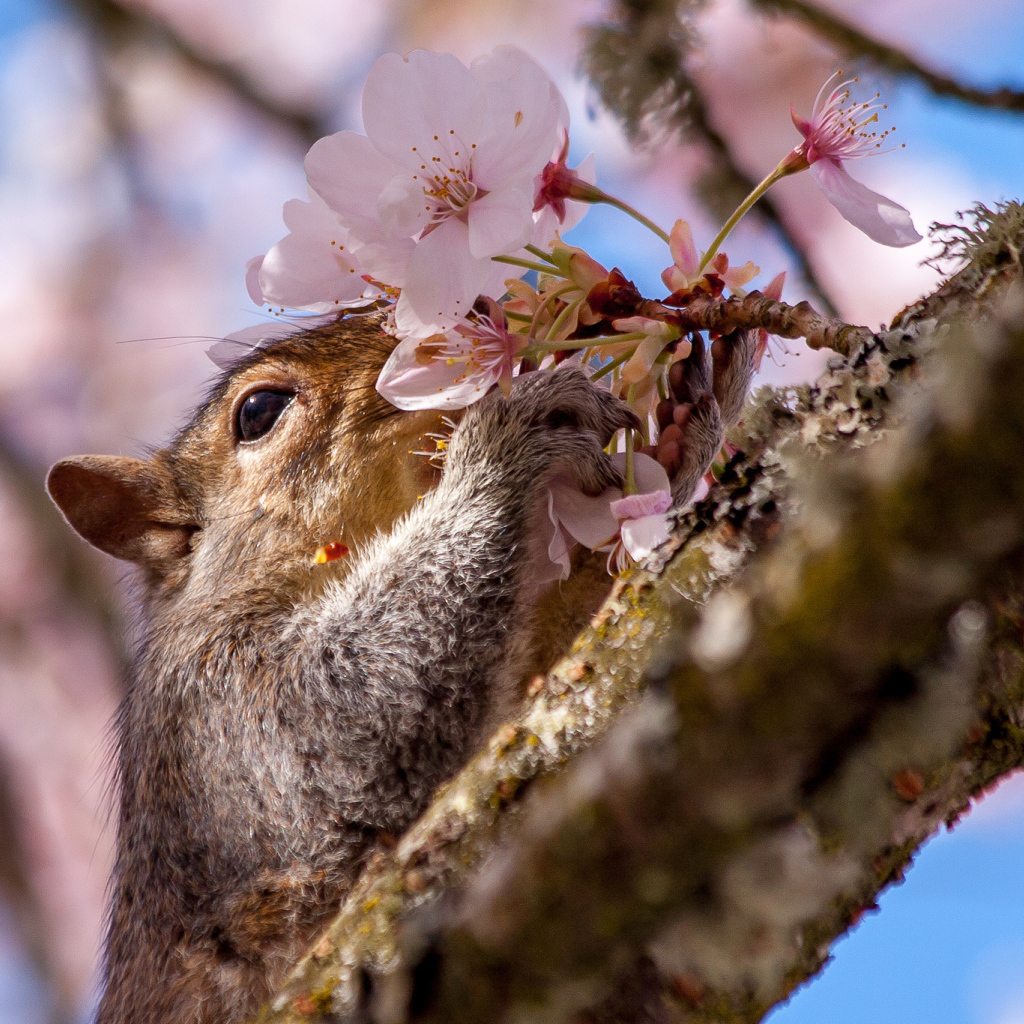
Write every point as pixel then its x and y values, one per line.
pixel 286 715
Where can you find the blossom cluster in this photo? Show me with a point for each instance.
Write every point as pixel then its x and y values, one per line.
pixel 460 187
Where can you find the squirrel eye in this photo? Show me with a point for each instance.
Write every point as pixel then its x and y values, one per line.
pixel 259 412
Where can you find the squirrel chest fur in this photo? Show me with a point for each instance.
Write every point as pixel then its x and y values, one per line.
pixel 286 715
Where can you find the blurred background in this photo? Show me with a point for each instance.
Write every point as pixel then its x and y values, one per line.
pixel 146 149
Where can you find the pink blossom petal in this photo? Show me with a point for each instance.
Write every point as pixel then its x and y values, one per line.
pixel 737 277
pixel 879 218
pixel 648 473
pixel 684 252
pixel 547 226
pixel 773 289
pixel 636 506
pixel 641 536
pixel 410 379
pixel 408 101
pixel 502 221
pixel 347 170
pixel 387 262
pixel 640 362
pixel 559 548
pixel 252 280
pixel 444 279
pixel 226 353
pixel 524 111
pixel 313 267
pixel 409 325
pixel 587 519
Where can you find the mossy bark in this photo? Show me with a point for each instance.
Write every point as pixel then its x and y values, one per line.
pixel 757 729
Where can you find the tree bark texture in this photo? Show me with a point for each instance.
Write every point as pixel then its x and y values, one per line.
pixel 758 728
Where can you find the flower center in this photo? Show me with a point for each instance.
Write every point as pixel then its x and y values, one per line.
pixel 451 195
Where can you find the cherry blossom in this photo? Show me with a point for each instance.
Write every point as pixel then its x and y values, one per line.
pixel 314 267
pixel 835 133
pixel 563 194
pixel 444 178
pixel 628 527
pixel 687 275
pixel 454 368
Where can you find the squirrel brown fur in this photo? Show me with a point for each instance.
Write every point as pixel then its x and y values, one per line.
pixel 286 716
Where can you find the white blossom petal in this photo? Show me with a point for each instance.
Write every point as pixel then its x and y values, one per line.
pixel 641 536
pixel 879 218
pixel 430 101
pixel 410 379
pixel 444 279
pixel 502 221
pixel 524 111
pixel 349 172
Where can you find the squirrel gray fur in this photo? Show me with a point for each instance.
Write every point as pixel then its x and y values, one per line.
pixel 284 717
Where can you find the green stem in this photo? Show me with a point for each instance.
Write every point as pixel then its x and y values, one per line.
pixel 546 256
pixel 629 486
pixel 547 300
pixel 577 343
pixel 556 326
pixel 635 214
pixel 521 317
pixel 515 261
pixel 759 190
pixel 616 362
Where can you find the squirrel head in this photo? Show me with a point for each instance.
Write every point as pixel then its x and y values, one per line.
pixel 292 451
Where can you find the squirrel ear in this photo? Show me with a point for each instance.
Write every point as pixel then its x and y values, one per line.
pixel 129 508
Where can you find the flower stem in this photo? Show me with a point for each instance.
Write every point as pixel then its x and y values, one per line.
pixel 737 215
pixel 515 261
pixel 540 253
pixel 616 362
pixel 548 299
pixel 629 484
pixel 559 320
pixel 635 214
pixel 577 343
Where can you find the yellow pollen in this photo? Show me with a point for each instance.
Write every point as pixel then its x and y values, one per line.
pixel 519 118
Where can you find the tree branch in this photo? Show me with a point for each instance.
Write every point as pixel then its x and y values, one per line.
pixel 717 782
pixel 853 41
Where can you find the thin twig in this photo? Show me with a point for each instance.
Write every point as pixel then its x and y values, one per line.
pixel 853 41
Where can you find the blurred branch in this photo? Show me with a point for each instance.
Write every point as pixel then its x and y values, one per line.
pixel 856 43
pixel 756 731
pixel 119 26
